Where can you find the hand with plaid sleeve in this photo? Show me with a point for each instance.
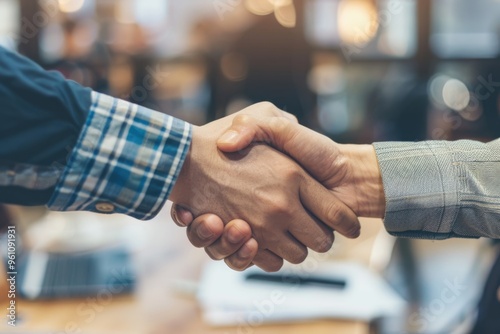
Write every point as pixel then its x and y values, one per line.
pixel 76 150
pixel 287 209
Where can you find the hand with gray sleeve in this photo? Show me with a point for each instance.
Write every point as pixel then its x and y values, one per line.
pixel 426 190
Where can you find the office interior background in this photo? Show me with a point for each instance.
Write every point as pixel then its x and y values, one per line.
pixel 358 71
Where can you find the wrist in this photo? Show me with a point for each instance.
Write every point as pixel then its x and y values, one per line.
pixel 180 191
pixel 366 178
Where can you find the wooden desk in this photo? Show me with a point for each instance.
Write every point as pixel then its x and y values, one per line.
pixel 156 307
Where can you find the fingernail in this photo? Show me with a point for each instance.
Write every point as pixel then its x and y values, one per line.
pixel 355 234
pixel 245 252
pixel 204 232
pixel 175 218
pixel 228 137
pixel 234 236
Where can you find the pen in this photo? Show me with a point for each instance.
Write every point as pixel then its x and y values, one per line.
pixel 297 280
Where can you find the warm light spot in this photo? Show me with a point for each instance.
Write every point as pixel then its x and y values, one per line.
pixel 286 15
pixel 357 21
pixel 456 96
pixel 280 3
pixel 435 88
pixel 326 79
pixel 259 7
pixel 70 6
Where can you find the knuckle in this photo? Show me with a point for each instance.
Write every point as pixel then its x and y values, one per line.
pixel 293 117
pixel 242 119
pixel 298 257
pixel 213 255
pixel 193 237
pixel 227 249
pixel 280 207
pixel 272 267
pixel 292 174
pixel 354 230
pixel 242 226
pixel 234 264
pixel 268 107
pixel 267 262
pixel 324 243
pixel 334 214
pixel 279 124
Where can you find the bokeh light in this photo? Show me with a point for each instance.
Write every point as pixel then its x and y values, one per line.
pixel 70 6
pixel 259 7
pixel 456 96
pixel 357 21
pixel 435 88
pixel 286 15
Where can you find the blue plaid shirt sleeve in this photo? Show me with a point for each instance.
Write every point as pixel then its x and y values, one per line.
pixel 126 160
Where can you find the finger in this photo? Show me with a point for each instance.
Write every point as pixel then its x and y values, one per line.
pixel 236 233
pixel 268 261
pixel 205 230
pixel 181 216
pixel 306 146
pixel 243 258
pixel 329 209
pixel 289 248
pixel 315 235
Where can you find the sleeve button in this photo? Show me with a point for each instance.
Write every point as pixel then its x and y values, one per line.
pixel 105 207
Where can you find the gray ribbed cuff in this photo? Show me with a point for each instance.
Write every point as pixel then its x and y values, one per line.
pixel 421 188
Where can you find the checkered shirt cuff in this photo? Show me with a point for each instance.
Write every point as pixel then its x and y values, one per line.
pixel 126 160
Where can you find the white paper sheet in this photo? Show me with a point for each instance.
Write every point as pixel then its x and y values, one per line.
pixel 228 299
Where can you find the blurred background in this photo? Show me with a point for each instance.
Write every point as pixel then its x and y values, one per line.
pixel 358 71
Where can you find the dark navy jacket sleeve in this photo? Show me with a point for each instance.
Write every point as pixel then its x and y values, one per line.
pixel 41 116
pixel 72 149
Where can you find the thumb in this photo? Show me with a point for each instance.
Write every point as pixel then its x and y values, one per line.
pixel 247 129
pixel 236 139
pixel 313 151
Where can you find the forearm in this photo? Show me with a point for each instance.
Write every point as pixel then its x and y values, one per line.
pixel 438 190
pixel 71 149
pixel 42 115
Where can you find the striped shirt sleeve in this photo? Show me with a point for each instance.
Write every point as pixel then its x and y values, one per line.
pixel 126 160
pixel 441 190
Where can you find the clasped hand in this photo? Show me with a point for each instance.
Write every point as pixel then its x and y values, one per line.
pixel 264 189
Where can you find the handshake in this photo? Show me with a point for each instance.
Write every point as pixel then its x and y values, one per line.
pixel 257 188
